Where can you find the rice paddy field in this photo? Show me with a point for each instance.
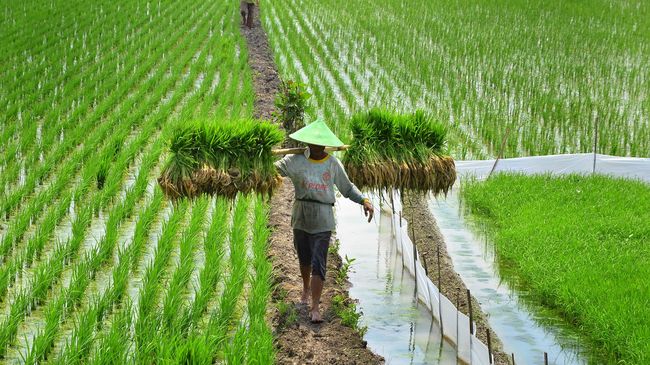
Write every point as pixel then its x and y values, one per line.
pixel 96 266
pixel 547 72
pixel 577 245
pixel 535 77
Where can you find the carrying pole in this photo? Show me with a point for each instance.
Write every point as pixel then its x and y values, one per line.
pixel 301 150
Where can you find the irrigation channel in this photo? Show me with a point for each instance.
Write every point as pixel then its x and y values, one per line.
pixel 525 330
pixel 402 329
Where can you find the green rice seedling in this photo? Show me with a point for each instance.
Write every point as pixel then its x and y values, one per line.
pixel 114 345
pixel 259 338
pixel 392 151
pixel 221 158
pixel 577 245
pixel 222 319
pixel 214 252
pixel 235 352
pixel 102 173
pixel 175 318
pixel 147 324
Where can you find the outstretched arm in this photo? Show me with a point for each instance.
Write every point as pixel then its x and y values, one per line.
pixel 350 191
pixel 283 166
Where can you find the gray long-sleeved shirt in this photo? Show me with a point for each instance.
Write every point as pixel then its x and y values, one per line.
pixel 315 180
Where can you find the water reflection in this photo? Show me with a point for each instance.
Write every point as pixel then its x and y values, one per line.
pixel 399 328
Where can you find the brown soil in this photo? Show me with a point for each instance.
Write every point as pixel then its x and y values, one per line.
pixel 428 239
pixel 266 81
pixel 298 341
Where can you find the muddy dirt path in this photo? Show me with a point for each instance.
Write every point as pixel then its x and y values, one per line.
pixel 298 341
pixel 428 238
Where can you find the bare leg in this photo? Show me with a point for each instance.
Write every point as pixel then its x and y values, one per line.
pixel 316 290
pixel 305 272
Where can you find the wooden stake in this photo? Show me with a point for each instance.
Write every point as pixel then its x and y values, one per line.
pixel 469 312
pixel 439 271
pixel 426 267
pixel 415 260
pixel 489 345
pixel 545 358
pixel 457 329
pixel 503 145
pixel 513 358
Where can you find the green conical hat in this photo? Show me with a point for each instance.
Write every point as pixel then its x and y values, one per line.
pixel 317 133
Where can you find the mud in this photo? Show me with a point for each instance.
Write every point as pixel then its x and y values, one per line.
pixel 428 239
pixel 298 341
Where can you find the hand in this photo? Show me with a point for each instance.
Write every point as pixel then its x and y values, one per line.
pixel 368 209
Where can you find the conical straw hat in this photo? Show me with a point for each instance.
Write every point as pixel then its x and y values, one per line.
pixel 317 133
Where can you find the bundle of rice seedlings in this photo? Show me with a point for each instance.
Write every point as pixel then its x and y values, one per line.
pixel 394 151
pixel 221 158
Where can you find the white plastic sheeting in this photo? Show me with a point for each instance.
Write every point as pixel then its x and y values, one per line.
pixel 455 324
pixel 627 167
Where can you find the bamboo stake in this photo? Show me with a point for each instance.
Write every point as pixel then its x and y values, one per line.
pixel 503 145
pixel 299 150
pixel 469 312
pixel 489 344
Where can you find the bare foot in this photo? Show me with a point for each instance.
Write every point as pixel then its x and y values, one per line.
pixel 316 317
pixel 305 297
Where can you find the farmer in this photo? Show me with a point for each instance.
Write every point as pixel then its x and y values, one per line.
pixel 314 175
pixel 246 9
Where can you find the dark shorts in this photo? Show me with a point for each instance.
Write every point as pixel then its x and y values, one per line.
pixel 312 250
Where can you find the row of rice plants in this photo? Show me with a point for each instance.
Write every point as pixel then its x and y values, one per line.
pixel 59 306
pixel 89 125
pixel 306 34
pixel 108 243
pixel 129 155
pixel 50 110
pixel 116 138
pixel 257 346
pixel 150 322
pixel 18 225
pixel 189 106
pixel 104 319
pixel 579 246
pixel 477 66
pixel 95 202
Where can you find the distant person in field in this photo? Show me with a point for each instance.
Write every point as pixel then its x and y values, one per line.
pixel 247 9
pixel 314 175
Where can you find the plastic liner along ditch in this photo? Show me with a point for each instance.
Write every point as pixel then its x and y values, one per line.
pixel 581 163
pixel 401 307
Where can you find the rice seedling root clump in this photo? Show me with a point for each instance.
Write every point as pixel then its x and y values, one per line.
pixel 393 151
pixel 221 158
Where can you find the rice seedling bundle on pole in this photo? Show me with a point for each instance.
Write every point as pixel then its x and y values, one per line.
pixel 394 151
pixel 221 158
